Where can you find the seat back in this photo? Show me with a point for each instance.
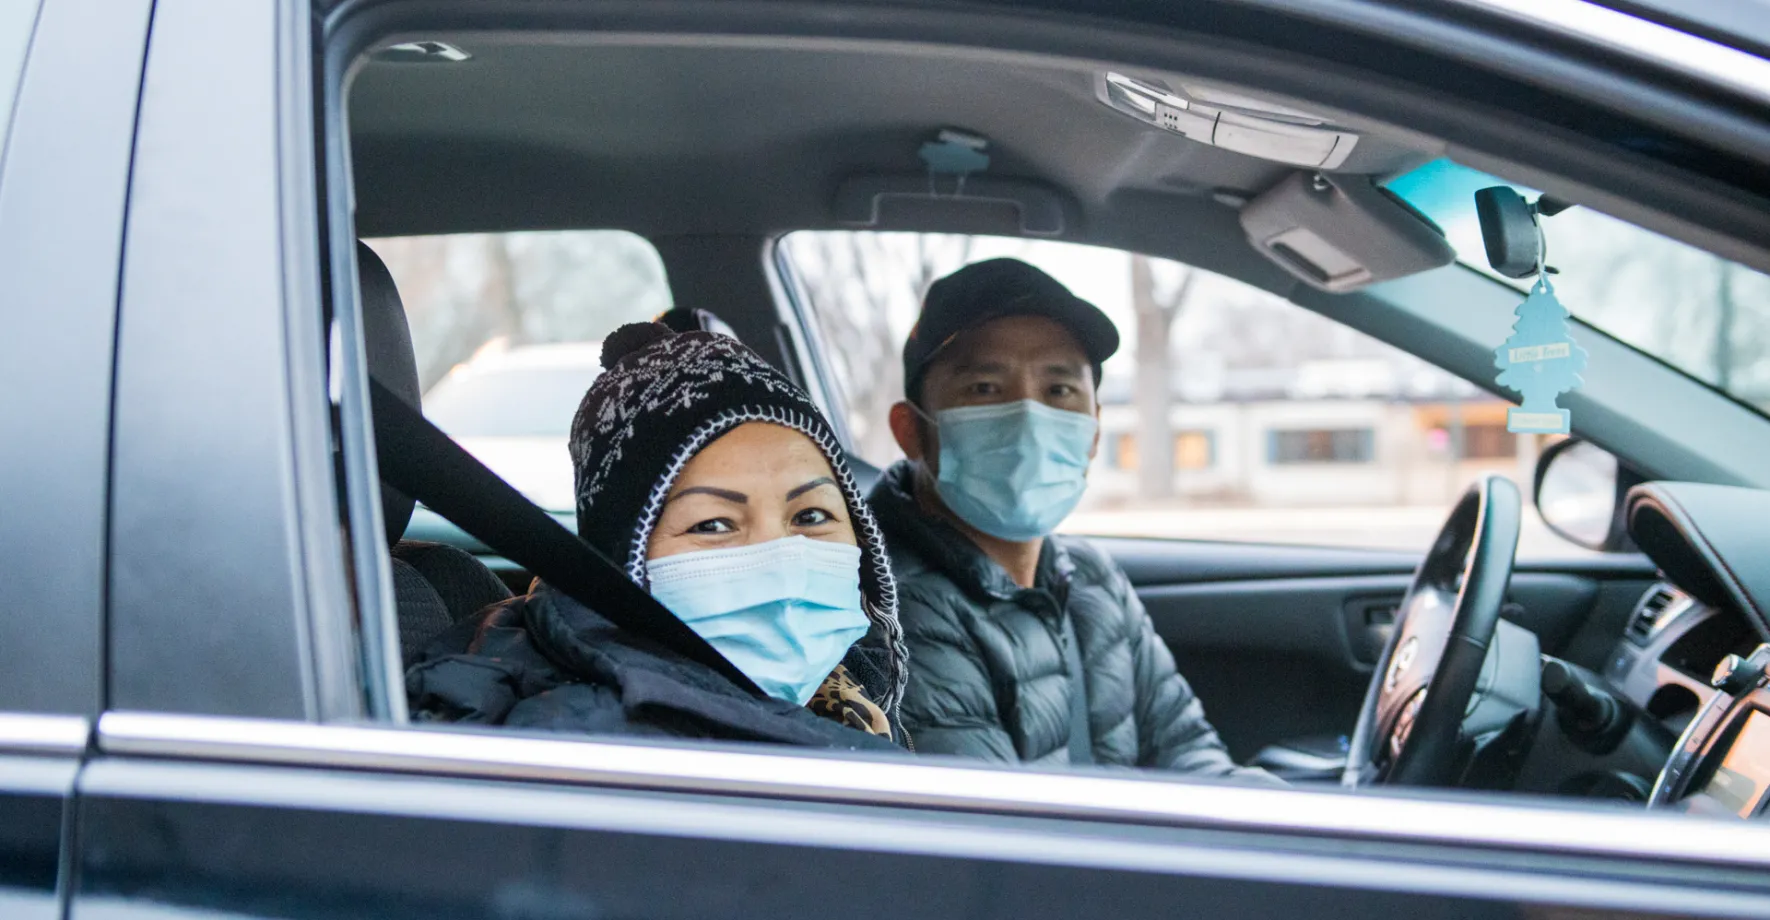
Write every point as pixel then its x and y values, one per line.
pixel 434 585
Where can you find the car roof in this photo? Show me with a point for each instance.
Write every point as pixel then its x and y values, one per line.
pixel 1743 24
pixel 732 136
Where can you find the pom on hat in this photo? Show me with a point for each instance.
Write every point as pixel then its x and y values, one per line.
pixel 629 339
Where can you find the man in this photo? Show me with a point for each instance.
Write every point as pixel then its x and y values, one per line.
pixel 1024 646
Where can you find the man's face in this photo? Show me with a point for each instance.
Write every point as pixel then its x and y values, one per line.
pixel 1003 360
pixel 1010 359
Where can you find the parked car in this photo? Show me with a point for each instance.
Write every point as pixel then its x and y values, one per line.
pixel 512 408
pixel 201 705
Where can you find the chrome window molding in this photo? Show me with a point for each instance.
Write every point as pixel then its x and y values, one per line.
pixel 1709 61
pixel 949 785
pixel 32 733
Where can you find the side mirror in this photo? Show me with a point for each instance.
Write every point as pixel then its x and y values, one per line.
pixel 1579 494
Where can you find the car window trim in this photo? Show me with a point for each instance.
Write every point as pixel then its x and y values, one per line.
pixel 1674 49
pixel 798 315
pixel 35 733
pixel 952 786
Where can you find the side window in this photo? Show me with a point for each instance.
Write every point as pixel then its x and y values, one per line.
pixel 16 21
pixel 508 327
pixel 1253 419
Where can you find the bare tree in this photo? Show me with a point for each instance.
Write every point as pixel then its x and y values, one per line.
pixel 1157 296
pixel 864 289
pixel 852 295
pixel 497 290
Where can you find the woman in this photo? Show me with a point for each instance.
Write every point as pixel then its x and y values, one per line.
pixel 720 488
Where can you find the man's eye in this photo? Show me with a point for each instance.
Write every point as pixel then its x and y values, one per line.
pixel 812 517
pixel 713 525
pixel 1063 389
pixel 983 388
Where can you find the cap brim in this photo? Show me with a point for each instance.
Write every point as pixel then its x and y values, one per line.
pixel 1098 335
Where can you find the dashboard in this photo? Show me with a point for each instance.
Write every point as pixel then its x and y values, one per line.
pixel 1668 652
pixel 1694 657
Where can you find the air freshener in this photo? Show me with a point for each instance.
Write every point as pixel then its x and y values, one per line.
pixel 1540 361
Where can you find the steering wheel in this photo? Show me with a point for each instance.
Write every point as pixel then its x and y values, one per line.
pixel 1410 724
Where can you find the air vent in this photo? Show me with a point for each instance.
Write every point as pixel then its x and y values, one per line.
pixel 1661 606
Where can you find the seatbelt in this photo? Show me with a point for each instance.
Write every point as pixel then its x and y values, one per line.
pixel 418 459
pixel 1081 739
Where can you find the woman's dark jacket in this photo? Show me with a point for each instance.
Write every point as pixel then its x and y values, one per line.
pixel 988 676
pixel 544 661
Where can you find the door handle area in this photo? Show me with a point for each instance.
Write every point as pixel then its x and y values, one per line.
pixel 1369 622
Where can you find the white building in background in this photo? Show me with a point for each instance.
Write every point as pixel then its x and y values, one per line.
pixel 1341 433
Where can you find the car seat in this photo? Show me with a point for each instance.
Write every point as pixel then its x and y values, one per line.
pixel 435 585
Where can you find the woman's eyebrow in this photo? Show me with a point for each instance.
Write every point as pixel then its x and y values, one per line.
pixel 736 498
pixel 801 490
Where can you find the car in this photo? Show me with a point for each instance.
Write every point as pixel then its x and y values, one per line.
pixel 512 408
pixel 201 704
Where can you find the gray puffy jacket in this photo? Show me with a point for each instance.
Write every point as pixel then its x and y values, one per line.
pixel 987 672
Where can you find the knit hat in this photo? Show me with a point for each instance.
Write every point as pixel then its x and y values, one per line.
pixel 664 395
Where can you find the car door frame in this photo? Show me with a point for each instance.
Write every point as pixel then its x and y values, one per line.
pixel 219 791
pixel 63 183
pixel 359 819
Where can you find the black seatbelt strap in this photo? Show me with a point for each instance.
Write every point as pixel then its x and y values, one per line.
pixel 418 459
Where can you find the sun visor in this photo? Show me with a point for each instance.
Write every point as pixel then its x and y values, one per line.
pixel 1340 233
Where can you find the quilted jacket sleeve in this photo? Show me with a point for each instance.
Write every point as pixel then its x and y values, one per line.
pixel 949 706
pixel 1173 733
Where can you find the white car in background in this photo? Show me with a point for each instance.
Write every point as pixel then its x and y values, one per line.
pixel 512 408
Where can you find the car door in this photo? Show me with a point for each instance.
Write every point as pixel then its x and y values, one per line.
pixel 69 73
pixel 256 818
pixel 252 759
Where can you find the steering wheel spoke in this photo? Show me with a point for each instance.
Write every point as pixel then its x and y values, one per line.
pixel 1410 724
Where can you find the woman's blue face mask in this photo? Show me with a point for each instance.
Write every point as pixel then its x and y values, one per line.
pixel 783 612
pixel 1013 470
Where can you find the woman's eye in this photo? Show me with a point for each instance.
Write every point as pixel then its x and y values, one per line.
pixel 714 525
pixel 812 517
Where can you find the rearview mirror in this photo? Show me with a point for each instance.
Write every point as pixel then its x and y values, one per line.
pixel 1508 230
pixel 1579 490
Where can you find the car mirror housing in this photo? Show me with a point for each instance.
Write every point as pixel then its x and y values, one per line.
pixel 1579 491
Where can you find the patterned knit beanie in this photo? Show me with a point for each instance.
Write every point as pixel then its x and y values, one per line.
pixel 663 396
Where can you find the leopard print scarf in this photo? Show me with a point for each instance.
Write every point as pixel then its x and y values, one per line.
pixel 842 699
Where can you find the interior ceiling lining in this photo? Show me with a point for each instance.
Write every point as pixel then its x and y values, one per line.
pixel 696 137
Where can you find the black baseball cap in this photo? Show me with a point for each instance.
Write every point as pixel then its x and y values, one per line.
pixel 988 290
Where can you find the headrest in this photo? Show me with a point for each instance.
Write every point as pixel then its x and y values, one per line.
pixel 686 319
pixel 387 342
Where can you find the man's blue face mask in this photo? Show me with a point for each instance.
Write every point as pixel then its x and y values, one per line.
pixel 1013 470
pixel 783 612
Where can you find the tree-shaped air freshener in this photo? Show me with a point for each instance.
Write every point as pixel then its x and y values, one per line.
pixel 1540 361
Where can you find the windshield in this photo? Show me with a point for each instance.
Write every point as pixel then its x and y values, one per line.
pixel 1695 311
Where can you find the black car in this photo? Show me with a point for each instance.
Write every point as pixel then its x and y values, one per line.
pixel 202 711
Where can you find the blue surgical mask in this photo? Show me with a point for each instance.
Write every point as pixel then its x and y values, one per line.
pixel 1013 470
pixel 783 612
